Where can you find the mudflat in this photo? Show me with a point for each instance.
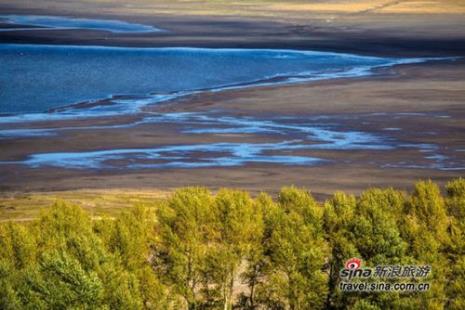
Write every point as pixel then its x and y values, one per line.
pixel 415 104
pixel 415 110
pixel 380 27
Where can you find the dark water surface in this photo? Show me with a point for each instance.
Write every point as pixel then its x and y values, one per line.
pixel 40 78
pixel 37 78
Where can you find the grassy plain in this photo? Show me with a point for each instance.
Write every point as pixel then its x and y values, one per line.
pixel 270 8
pixel 110 202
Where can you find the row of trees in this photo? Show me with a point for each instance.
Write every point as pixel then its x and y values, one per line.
pixel 197 250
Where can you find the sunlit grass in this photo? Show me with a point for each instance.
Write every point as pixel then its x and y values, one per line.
pixel 254 8
pixel 27 206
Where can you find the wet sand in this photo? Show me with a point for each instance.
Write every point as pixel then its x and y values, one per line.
pixel 423 103
pixel 426 28
pixel 412 103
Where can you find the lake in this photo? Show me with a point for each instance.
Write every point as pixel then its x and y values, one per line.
pixel 38 78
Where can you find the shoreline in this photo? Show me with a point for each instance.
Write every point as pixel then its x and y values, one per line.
pixel 338 175
pixel 430 96
pixel 267 33
pixel 72 110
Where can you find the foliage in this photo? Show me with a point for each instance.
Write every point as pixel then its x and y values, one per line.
pixel 199 250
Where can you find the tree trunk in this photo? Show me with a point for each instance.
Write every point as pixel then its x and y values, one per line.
pixel 252 298
pixel 228 290
pixel 225 293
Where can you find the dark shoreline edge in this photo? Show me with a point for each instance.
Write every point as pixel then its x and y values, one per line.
pixel 240 32
pixel 380 71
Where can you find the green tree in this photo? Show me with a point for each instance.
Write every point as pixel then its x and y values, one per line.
pixel 17 245
pixel 192 250
pixel 425 230
pixel 366 228
pixel 17 253
pixel 186 228
pixel 298 253
pixel 240 227
pixel 455 203
pixel 60 282
pixel 339 216
pixel 130 238
pixel 258 260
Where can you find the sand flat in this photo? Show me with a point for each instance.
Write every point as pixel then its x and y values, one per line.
pixel 403 99
pixel 414 104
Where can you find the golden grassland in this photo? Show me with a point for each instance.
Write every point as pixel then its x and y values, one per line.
pixel 27 206
pixel 252 8
pixel 380 6
pixel 275 7
pixel 432 18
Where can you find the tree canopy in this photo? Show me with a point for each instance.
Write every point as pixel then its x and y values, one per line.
pixel 229 250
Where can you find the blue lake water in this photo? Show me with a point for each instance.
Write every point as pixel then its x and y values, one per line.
pixel 59 22
pixel 290 137
pixel 37 78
